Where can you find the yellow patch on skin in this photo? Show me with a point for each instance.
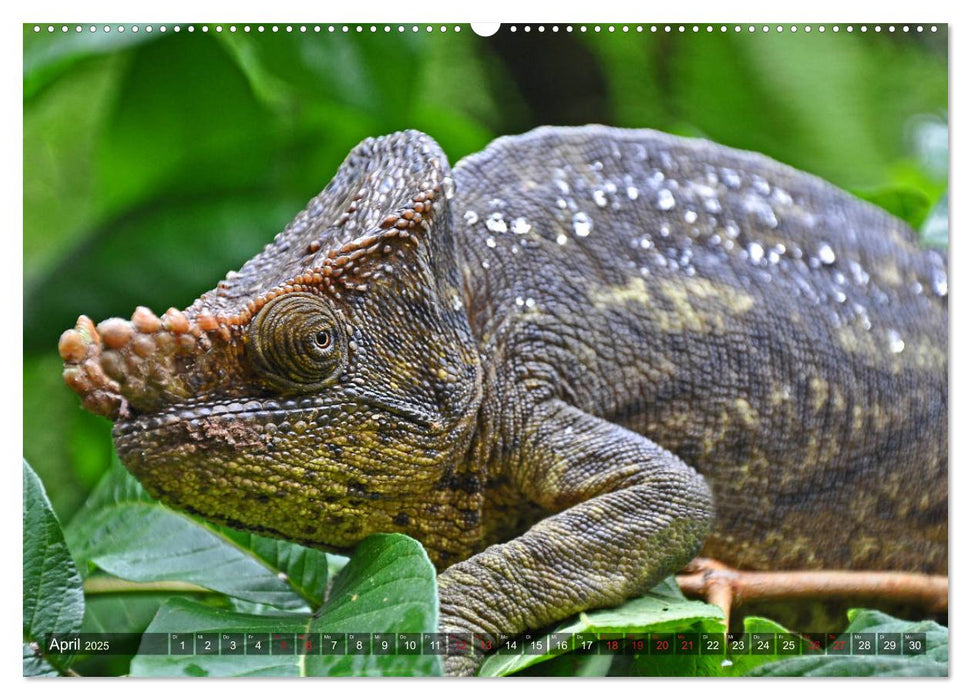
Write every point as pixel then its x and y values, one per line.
pixel 691 298
pixel 854 339
pixel 918 351
pixel 634 290
pixel 839 401
pixel 780 395
pixel 890 275
pixel 818 392
pixel 925 354
pixel 745 411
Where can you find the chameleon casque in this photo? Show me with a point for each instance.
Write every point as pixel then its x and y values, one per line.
pixel 566 366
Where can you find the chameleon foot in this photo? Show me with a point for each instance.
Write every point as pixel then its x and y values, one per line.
pixel 463 666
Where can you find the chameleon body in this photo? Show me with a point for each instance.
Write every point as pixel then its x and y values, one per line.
pixel 567 366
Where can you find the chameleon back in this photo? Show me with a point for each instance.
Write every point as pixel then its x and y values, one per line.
pixel 782 337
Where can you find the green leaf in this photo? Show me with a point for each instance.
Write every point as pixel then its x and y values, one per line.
pixel 124 532
pixel 117 613
pixel 931 663
pixel 48 55
pixel 388 586
pixel 169 132
pixel 743 664
pixel 193 241
pixel 663 609
pixel 910 205
pixel 67 447
pixel 53 597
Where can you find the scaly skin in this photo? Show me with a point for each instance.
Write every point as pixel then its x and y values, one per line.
pixel 559 366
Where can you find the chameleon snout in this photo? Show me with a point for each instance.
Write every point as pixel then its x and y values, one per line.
pixel 121 365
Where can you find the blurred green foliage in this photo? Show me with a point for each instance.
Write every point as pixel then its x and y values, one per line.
pixel 154 163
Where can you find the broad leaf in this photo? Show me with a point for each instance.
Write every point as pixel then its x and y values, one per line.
pixel 387 587
pixel 53 597
pixel 664 609
pixel 124 532
pixel 933 662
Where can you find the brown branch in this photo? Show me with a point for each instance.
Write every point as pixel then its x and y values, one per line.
pixel 725 587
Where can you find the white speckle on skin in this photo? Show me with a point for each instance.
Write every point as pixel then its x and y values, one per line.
pixel 827 256
pixel 760 208
pixel 690 217
pixel 530 303
pixel 632 192
pixel 485 265
pixel 448 187
pixel 561 238
pixel 520 301
pixel 599 198
pixel 755 252
pixel 582 225
pixel 860 276
pixel 520 226
pixel 665 200
pixel 470 217
pixel 496 223
pixel 761 186
pixel 939 283
pixel 490 241
pixel 731 178
pixel 896 342
pixel 782 197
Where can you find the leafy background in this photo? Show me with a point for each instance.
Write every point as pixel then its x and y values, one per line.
pixel 154 163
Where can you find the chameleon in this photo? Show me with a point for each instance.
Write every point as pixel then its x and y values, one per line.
pixel 567 366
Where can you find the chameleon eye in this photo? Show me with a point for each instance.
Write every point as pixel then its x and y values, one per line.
pixel 322 339
pixel 294 342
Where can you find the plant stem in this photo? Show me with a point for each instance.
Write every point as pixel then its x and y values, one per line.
pixel 102 585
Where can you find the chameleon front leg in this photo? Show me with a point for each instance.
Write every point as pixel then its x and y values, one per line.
pixel 628 513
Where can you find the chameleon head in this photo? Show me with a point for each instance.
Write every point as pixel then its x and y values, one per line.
pixel 320 393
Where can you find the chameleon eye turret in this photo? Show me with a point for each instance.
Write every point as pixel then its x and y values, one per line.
pixel 297 343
